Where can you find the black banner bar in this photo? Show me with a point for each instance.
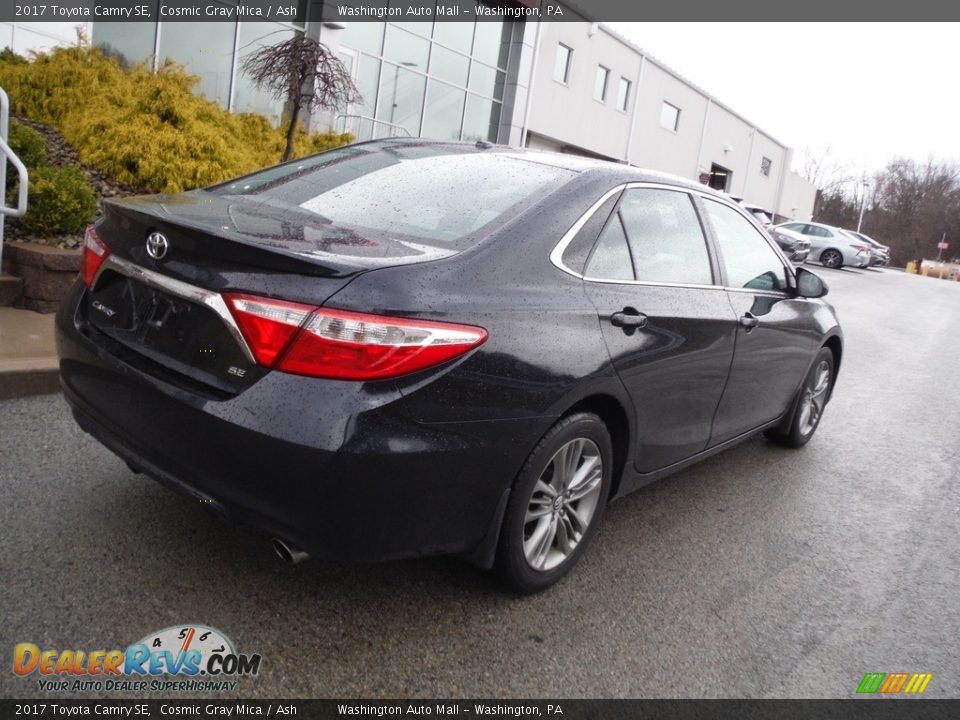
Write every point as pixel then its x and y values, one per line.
pixel 341 11
pixel 855 709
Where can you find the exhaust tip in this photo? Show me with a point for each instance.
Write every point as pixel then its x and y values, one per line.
pixel 290 554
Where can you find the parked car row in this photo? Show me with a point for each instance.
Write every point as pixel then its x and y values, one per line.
pixel 830 246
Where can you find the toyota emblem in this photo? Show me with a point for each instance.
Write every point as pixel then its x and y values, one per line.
pixel 157 245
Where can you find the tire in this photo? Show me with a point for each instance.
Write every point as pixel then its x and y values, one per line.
pixel 832 259
pixel 535 551
pixel 808 406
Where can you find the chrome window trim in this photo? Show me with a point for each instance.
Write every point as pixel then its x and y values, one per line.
pixel 199 295
pixel 556 256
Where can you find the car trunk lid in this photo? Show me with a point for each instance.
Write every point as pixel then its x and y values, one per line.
pixel 169 309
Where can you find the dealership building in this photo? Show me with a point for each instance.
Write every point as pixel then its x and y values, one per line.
pixel 572 86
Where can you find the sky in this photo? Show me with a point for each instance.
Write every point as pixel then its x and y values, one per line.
pixel 869 91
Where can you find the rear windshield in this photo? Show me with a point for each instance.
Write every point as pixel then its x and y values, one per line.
pixel 441 193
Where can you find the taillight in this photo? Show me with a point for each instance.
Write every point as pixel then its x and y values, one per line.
pixel 95 251
pixel 345 345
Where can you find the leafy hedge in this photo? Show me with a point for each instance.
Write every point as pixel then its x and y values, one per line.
pixel 143 128
pixel 60 201
pixel 28 145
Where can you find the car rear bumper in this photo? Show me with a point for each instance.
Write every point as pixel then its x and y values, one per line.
pixel 336 468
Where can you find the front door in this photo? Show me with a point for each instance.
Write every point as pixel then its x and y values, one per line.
pixel 776 335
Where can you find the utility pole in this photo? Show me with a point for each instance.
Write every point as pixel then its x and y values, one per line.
pixel 863 202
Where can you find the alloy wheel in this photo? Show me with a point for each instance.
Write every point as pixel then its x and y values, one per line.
pixel 563 503
pixel 814 398
pixel 831 259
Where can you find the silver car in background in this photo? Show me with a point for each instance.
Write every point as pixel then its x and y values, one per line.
pixel 794 246
pixel 830 246
pixel 880 252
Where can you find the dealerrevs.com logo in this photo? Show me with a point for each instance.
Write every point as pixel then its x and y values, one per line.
pixel 185 658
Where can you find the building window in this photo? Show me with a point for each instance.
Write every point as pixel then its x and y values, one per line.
pixel 561 69
pixel 669 116
pixel 600 84
pixel 765 165
pixel 623 94
pixel 444 81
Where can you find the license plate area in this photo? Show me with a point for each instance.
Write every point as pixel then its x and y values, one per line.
pixel 180 334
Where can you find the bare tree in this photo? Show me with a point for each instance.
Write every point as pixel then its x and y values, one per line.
pixel 303 72
pixel 828 175
pixel 820 168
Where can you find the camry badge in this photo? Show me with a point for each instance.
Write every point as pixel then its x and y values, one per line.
pixel 97 305
pixel 157 245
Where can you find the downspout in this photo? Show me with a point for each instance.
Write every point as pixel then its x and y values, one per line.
pixel 787 160
pixel 533 76
pixel 746 176
pixel 633 110
pixel 703 135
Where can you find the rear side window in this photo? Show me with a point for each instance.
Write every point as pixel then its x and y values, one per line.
pixel 611 257
pixel 575 254
pixel 439 193
pixel 747 256
pixel 666 240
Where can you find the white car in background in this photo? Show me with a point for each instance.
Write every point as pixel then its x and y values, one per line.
pixel 830 246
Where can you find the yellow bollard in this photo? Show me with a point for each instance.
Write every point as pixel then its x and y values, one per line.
pixel 911 267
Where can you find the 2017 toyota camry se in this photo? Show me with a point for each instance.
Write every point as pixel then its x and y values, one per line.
pixel 407 347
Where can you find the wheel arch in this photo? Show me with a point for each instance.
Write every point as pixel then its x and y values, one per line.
pixel 614 415
pixel 835 345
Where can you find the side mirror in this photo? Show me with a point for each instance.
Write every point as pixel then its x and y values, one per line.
pixel 810 285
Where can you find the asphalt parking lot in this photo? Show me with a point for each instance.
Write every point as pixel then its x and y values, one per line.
pixel 762 572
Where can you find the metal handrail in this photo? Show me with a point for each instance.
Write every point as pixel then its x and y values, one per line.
pixel 6 153
pixel 21 207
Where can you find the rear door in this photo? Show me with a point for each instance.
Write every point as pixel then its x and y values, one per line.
pixel 668 327
pixel 776 335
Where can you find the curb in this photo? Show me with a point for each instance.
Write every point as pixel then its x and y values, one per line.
pixel 27 381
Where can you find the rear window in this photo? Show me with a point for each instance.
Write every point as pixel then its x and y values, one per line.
pixel 431 192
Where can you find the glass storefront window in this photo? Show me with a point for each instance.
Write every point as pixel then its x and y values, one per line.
pixel 456 35
pixel 415 74
pixel 401 97
pixel 367 80
pixel 364 36
pixel 420 28
pixel 444 111
pixel 134 42
pixel 406 49
pixel 487 81
pixel 482 119
pixel 448 65
pixel 492 42
pixel 247 97
pixel 206 48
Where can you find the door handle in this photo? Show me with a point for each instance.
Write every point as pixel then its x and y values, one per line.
pixel 628 318
pixel 749 320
